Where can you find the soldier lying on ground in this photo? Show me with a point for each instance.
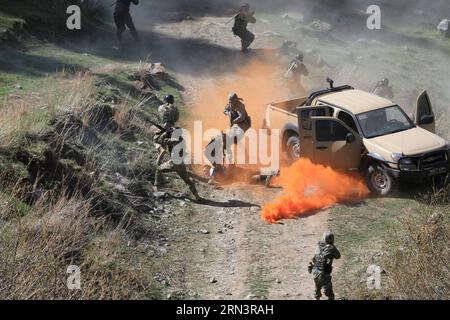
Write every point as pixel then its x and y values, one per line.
pixel 220 174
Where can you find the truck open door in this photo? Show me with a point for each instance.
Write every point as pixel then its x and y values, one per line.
pixel 424 115
pixel 304 115
pixel 335 144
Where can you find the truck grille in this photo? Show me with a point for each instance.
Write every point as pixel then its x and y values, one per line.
pixel 433 160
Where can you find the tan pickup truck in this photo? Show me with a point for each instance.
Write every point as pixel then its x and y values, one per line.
pixel 350 129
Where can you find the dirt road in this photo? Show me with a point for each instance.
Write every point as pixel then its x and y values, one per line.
pixel 229 252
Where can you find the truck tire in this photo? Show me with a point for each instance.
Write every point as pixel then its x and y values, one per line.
pixel 378 180
pixel 293 148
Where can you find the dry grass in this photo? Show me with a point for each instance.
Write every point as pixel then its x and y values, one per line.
pixel 36 250
pixel 418 262
pixel 31 112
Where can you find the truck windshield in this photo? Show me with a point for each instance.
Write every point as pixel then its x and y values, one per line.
pixel 384 121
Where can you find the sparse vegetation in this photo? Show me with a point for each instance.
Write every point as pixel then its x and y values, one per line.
pixel 410 244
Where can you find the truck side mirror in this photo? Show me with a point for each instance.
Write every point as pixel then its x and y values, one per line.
pixel 426 119
pixel 350 138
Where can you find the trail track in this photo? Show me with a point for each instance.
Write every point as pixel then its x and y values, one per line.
pixel 230 252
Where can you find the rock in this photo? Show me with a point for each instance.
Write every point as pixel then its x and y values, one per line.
pixel 204 231
pixel 444 27
pixel 19 87
pixel 277 281
pixel 213 280
pixel 169 296
pixel 271 34
pixel 435 218
pixel 292 19
pixel 157 69
pixel 120 187
pixel 159 194
pixel 250 297
pixel 321 26
pixel 121 179
pixel 362 41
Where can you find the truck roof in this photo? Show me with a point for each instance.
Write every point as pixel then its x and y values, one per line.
pixel 355 101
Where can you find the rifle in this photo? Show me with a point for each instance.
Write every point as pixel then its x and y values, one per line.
pixel 161 128
pixel 234 17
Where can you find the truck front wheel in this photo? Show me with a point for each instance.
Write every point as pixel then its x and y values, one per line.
pixel 293 148
pixel 378 180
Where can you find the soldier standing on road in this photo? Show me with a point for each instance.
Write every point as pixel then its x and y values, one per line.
pixel 294 74
pixel 321 266
pixel 122 18
pixel 167 142
pixel 169 112
pixel 241 20
pixel 383 89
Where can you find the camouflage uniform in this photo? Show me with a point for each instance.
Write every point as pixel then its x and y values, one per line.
pixel 122 18
pixel 167 143
pixel 296 70
pixel 239 118
pixel 322 266
pixel 242 19
pixel 169 115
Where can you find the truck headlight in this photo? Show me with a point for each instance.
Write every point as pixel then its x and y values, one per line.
pixel 407 164
pixel 396 156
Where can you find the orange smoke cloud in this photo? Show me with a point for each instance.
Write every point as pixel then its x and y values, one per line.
pixel 258 81
pixel 309 187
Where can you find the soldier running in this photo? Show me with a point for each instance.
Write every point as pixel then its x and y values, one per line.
pixel 167 142
pixel 294 74
pixel 240 121
pixel 321 266
pixel 122 18
pixel 241 20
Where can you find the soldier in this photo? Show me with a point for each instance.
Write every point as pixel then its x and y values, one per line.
pixel 383 89
pixel 122 18
pixel 219 174
pixel 240 121
pixel 215 151
pixel 167 143
pixel 241 20
pixel 168 112
pixel 321 266
pixel 294 74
